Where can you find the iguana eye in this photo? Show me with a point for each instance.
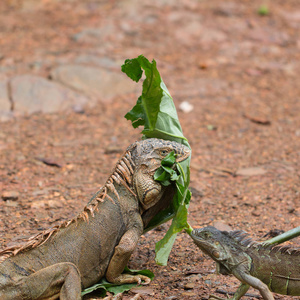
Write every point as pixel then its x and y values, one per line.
pixel 206 235
pixel 164 152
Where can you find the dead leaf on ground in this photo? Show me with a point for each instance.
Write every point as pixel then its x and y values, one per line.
pixel 250 171
pixel 49 162
pixel 258 120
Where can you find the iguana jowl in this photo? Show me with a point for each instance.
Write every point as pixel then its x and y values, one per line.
pixel 61 261
pixel 266 268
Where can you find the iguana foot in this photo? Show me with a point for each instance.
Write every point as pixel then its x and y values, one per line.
pixel 127 278
pixel 120 297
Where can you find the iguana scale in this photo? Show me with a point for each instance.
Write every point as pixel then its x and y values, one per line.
pixel 76 254
pixel 266 268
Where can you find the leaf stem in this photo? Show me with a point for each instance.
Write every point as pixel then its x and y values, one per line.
pixel 286 236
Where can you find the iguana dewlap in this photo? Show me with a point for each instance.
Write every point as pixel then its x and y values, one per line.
pixel 266 268
pixel 61 261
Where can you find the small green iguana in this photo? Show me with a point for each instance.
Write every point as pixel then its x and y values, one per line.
pixel 266 268
pixel 63 260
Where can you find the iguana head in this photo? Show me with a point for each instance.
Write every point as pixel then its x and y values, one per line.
pixel 147 156
pixel 152 151
pixel 219 246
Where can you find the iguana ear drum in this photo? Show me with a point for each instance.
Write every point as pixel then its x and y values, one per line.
pixel 216 253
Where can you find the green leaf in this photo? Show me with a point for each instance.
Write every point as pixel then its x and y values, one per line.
pixel 161 175
pixel 174 176
pixel 137 114
pixel 158 113
pixel 164 246
pixel 132 69
pixel 155 110
pixel 145 272
pixel 286 236
pixel 169 160
pixel 117 288
pixel 165 174
pixel 181 202
pixel 263 10
pixel 121 288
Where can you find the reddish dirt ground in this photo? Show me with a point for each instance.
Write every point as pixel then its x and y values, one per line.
pixel 239 70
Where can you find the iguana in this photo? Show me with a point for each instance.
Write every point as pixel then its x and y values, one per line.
pixel 61 261
pixel 266 268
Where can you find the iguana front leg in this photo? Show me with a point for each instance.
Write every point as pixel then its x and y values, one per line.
pixel 121 257
pixel 257 284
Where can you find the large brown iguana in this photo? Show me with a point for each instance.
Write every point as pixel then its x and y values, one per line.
pixel 61 261
pixel 266 268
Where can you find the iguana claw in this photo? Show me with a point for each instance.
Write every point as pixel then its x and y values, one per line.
pixel 120 297
pixel 127 278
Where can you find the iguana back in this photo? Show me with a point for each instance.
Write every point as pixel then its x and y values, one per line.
pixel 100 240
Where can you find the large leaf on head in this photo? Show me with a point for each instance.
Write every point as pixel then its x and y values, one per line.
pixel 155 110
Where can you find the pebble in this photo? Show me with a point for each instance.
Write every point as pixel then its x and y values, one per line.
pixel 186 107
pixel 189 285
pixel 221 225
pixel 10 195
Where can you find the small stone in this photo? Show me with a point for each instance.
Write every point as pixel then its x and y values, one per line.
pixel 143 290
pixel 10 195
pixel 189 285
pixel 55 204
pixel 186 107
pixel 256 213
pixel 221 225
pixel 11 203
pixel 189 294
pixel 38 204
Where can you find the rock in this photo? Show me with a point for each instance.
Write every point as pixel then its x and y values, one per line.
pixel 251 171
pixel 103 62
pixel 144 290
pixel 94 82
pixel 55 203
pixel 188 294
pixel 10 195
pixel 36 94
pixel 5 105
pixel 189 285
pixel 100 35
pixel 221 225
